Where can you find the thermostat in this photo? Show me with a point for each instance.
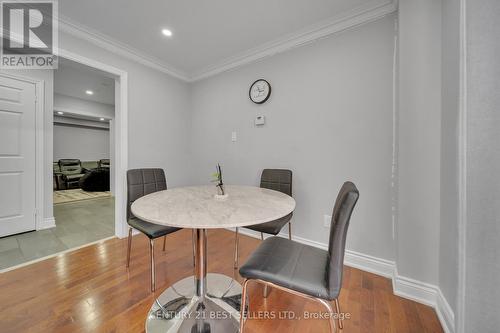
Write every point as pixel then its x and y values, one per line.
pixel 260 120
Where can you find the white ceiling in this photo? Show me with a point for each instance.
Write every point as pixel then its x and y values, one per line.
pixel 205 33
pixel 73 79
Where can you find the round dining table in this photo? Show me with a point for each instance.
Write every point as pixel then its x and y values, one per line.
pixel 205 302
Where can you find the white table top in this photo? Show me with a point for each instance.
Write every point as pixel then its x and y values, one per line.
pixel 195 207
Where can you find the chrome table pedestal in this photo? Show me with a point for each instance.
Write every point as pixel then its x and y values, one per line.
pixel 198 304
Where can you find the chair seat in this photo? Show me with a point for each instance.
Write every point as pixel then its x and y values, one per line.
pixel 74 176
pixel 291 265
pixel 150 229
pixel 273 227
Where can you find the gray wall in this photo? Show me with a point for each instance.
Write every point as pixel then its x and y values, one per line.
pixel 158 115
pixel 419 139
pixel 329 119
pixel 84 143
pixel 483 165
pixel 448 240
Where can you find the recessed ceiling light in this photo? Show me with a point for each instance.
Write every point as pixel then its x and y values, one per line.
pixel 101 119
pixel 166 32
pixel 89 92
pixel 60 113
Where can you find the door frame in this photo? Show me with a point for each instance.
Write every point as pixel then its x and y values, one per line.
pixel 120 134
pixel 39 143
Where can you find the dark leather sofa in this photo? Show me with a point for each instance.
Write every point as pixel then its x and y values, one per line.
pixel 69 172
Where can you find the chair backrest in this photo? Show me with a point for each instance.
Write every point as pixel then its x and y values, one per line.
pixel 141 182
pixel 104 163
pixel 344 205
pixel 89 165
pixel 56 168
pixel 277 179
pixel 70 166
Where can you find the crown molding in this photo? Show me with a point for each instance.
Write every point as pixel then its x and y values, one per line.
pixel 81 31
pixel 359 16
pixel 372 11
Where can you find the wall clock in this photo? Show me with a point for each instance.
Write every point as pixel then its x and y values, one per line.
pixel 259 91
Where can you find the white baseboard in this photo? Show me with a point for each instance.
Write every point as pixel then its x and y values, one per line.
pixel 369 263
pixel 46 223
pixel 445 313
pixel 354 259
pixel 417 291
pixel 427 294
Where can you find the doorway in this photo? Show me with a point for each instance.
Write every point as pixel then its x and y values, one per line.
pixel 84 108
pixel 117 157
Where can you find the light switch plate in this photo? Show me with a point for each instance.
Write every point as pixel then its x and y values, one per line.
pixel 233 136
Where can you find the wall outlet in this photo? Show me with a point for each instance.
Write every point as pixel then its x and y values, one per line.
pixel 327 220
pixel 233 136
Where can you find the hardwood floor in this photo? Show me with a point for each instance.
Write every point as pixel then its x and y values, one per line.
pixel 90 290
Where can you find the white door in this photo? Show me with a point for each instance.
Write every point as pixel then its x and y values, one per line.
pixel 17 156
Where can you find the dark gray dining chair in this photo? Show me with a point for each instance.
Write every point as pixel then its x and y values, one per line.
pixel 301 269
pixel 278 180
pixel 139 183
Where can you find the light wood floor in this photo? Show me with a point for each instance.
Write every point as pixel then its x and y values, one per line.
pixel 90 290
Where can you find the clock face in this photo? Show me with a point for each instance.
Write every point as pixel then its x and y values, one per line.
pixel 260 91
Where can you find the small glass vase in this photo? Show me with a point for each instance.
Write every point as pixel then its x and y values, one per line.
pixel 221 190
pixel 221 193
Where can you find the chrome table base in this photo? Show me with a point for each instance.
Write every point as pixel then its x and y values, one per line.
pixel 178 309
pixel 203 303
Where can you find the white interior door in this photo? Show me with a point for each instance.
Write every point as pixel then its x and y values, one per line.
pixel 17 156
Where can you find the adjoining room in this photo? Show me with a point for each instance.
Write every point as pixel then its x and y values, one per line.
pixel 83 143
pixel 84 108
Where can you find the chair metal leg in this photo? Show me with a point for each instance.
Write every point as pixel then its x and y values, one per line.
pixel 236 254
pixel 331 319
pixel 266 291
pixel 290 230
pixel 129 246
pixel 261 236
pixel 193 236
pixel 164 241
pixel 339 317
pixel 332 324
pixel 152 253
pixel 243 305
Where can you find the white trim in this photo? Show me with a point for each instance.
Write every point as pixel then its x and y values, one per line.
pixel 46 223
pixel 121 134
pixel 417 291
pixel 40 158
pixel 445 313
pixel 354 259
pixel 372 11
pixel 54 255
pixel 369 263
pixel 83 32
pixel 462 173
pixel 427 294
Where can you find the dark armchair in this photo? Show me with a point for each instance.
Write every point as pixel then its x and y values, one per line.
pixel 104 163
pixel 71 171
